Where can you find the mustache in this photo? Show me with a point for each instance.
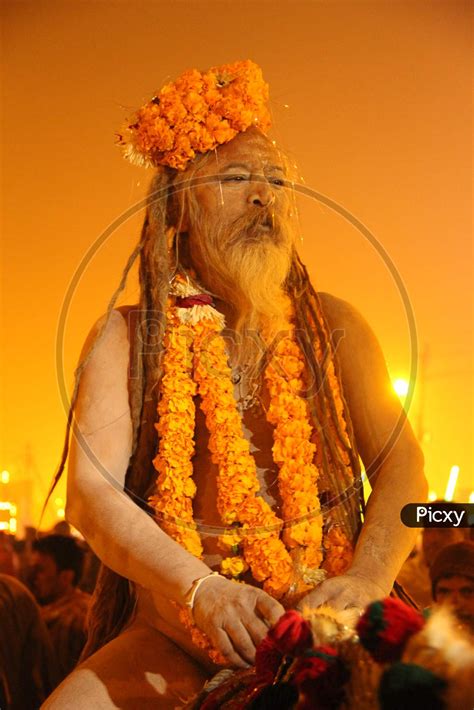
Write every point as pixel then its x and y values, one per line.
pixel 249 227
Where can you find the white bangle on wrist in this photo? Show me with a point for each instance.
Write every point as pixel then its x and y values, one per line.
pixel 191 593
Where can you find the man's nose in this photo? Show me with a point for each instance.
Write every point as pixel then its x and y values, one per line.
pixel 455 599
pixel 260 193
pixel 452 599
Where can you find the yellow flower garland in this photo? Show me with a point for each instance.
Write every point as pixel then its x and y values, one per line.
pixel 285 555
pixel 294 453
pixel 237 482
pixel 175 486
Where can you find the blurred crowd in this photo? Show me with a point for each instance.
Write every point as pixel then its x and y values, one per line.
pixel 46 582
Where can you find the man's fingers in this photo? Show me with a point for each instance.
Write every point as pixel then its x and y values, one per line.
pixel 269 609
pixel 241 640
pixel 337 600
pixel 339 603
pixel 224 645
pixel 318 598
pixel 257 630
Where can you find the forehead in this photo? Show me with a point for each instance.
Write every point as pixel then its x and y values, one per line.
pixel 250 147
pixel 40 558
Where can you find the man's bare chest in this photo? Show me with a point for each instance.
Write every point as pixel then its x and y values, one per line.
pixel 252 401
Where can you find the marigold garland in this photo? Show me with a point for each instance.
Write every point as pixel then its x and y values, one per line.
pixel 199 638
pixel 338 552
pixel 285 555
pixel 175 486
pixel 237 481
pixel 294 453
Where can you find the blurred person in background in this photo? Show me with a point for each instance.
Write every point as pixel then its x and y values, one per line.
pixel 57 565
pixel 61 528
pixel 23 548
pixel 9 561
pixel 91 562
pixel 415 573
pixel 452 579
pixel 28 667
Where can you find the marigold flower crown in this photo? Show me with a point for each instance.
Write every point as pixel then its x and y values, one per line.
pixel 195 114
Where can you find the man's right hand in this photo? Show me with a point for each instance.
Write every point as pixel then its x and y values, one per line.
pixel 235 617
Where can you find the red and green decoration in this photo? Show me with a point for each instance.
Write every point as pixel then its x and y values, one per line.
pixel 411 687
pixel 295 671
pixel 385 628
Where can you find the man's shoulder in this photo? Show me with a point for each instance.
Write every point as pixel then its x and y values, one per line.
pixel 338 312
pixel 74 603
pixel 81 596
pixel 114 327
pixel 80 601
pixel 117 318
pixel 127 311
pixel 108 342
pixel 350 330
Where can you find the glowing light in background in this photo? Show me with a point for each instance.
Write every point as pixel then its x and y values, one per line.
pixel 400 386
pixel 59 503
pixel 8 523
pixel 471 497
pixel 452 480
pixel 432 495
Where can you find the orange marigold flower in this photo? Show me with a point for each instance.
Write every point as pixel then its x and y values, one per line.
pixel 338 552
pixel 233 566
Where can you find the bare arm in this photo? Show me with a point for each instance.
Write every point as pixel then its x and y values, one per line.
pixel 123 536
pixel 391 455
pixel 119 532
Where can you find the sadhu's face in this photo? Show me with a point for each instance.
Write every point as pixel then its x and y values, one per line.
pixel 247 180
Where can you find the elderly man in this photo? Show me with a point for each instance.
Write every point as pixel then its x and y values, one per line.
pixel 228 414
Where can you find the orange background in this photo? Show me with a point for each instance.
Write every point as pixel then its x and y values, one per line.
pixel 371 99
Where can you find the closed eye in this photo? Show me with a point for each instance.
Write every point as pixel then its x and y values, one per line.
pixel 233 178
pixel 278 182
